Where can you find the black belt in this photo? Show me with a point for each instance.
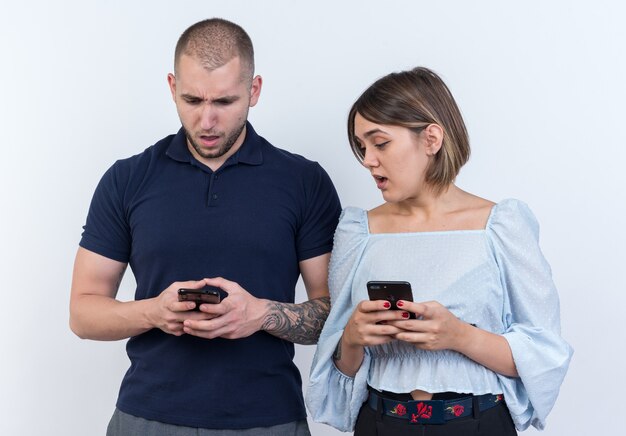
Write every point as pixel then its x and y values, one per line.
pixel 432 411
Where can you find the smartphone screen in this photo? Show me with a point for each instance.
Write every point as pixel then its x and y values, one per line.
pixel 390 291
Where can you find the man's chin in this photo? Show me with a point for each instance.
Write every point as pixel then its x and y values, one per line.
pixel 211 155
pixel 216 151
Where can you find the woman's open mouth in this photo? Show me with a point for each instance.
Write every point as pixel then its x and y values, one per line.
pixel 381 181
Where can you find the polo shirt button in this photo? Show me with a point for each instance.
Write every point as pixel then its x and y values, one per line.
pixel 214 196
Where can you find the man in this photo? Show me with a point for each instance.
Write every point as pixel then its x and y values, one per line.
pixel 215 205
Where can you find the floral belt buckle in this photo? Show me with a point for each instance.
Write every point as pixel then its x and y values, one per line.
pixel 426 412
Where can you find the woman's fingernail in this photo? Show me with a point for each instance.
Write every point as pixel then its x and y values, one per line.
pixel 405 314
pixel 400 303
pixel 387 304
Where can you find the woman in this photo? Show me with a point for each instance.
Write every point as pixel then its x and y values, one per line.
pixel 484 354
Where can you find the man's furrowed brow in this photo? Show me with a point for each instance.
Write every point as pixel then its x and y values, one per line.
pixel 226 99
pixel 191 97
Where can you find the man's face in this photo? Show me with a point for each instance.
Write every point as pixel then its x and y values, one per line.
pixel 213 107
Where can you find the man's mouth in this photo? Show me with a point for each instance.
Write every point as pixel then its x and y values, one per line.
pixel 209 140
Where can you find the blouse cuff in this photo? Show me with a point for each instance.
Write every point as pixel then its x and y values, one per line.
pixel 541 358
pixel 334 398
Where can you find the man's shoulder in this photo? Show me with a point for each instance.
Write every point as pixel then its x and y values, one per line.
pixel 296 165
pixel 141 162
pixel 153 151
pixel 285 155
pixel 126 170
pixel 279 157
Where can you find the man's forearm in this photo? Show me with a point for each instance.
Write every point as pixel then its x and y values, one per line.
pixel 106 319
pixel 299 323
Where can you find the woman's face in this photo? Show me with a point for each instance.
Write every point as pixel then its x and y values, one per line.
pixel 396 157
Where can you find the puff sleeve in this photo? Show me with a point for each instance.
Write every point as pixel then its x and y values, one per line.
pixel 332 397
pixel 530 316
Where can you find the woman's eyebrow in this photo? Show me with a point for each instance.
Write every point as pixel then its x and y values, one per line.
pixel 372 132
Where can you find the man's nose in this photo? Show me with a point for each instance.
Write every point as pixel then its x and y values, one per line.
pixel 208 118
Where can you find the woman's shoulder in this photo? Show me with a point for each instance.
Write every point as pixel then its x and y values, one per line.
pixel 474 212
pixel 512 223
pixel 352 224
pixel 350 240
pixel 353 219
pixel 510 211
pixel 352 213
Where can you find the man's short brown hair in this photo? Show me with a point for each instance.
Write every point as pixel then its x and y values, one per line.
pixel 215 42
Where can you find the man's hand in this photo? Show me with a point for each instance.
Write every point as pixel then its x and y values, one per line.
pixel 96 314
pixel 241 314
pixel 168 314
pixel 237 316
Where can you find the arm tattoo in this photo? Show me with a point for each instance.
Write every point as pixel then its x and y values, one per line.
pixel 299 323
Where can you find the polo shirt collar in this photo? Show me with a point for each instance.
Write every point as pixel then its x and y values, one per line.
pixel 249 153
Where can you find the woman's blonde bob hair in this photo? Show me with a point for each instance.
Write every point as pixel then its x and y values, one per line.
pixel 415 99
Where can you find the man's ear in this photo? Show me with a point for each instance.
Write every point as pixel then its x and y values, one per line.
pixel 433 134
pixel 255 90
pixel 171 80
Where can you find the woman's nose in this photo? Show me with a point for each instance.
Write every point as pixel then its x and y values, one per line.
pixel 369 158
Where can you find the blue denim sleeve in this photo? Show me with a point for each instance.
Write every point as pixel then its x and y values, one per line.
pixel 332 397
pixel 530 316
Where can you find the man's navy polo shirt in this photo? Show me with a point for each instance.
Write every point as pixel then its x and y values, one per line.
pixel 251 221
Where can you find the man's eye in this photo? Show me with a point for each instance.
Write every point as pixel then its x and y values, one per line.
pixel 223 102
pixel 193 101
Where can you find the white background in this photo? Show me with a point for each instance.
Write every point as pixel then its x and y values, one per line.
pixel 541 86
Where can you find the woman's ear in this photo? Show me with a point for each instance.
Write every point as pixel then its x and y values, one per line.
pixel 433 134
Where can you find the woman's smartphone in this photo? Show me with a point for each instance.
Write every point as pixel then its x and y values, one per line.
pixel 392 292
pixel 206 295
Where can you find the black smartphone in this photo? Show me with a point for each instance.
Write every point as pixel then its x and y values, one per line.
pixel 207 295
pixel 392 292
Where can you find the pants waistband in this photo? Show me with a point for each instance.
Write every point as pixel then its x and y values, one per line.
pixel 432 411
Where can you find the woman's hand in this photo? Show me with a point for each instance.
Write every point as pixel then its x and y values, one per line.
pixel 372 323
pixel 435 328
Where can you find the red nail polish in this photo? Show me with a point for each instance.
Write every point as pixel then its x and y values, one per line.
pixel 400 303
pixel 387 304
pixel 405 314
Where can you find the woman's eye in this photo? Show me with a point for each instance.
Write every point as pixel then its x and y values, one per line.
pixel 382 144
